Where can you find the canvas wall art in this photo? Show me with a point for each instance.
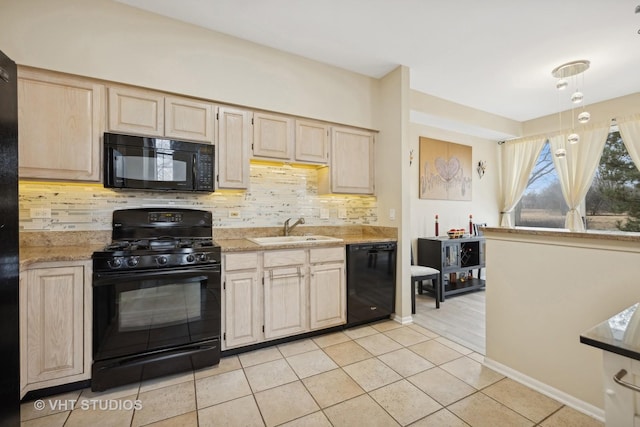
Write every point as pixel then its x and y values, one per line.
pixel 445 170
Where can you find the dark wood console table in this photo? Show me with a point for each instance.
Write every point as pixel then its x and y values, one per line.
pixel 460 262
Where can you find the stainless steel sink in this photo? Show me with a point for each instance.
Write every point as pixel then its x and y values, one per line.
pixel 292 240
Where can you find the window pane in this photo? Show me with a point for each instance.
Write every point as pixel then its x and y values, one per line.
pixel 542 204
pixel 613 201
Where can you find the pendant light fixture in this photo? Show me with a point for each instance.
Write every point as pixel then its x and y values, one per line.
pixel 563 72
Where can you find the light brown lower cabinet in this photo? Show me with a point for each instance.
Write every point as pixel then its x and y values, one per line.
pixel 241 300
pixel 55 324
pixel 327 288
pixel 285 293
pixel 279 293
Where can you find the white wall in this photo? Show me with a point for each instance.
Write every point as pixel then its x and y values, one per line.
pixel 601 112
pixel 484 205
pixel 108 40
pixel 455 214
pixel 392 173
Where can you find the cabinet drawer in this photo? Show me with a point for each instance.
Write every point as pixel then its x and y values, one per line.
pixel 282 258
pixel 241 261
pixel 326 254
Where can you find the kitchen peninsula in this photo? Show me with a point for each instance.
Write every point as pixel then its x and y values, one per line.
pixel 551 286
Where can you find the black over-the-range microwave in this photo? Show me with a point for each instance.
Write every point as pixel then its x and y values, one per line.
pixel 154 163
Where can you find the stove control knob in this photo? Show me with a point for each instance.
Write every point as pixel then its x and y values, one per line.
pixel 191 258
pixel 115 263
pixel 162 260
pixel 203 257
pixel 132 262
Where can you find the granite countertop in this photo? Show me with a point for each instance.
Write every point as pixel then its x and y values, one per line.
pixel 33 254
pixel 80 245
pixel 619 334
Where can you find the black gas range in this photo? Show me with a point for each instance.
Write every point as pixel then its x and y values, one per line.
pixel 156 238
pixel 156 297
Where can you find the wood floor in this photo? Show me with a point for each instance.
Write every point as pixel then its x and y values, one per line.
pixel 461 318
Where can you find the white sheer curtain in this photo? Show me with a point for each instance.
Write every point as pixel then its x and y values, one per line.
pixel 576 169
pixel 630 133
pixel 518 157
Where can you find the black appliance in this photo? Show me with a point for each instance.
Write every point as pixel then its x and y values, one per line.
pixel 371 282
pixel 156 297
pixel 9 246
pixel 146 163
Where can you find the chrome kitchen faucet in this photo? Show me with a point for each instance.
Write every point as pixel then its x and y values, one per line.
pixel 288 229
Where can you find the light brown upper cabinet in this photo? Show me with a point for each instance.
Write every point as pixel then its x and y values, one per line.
pixel 351 170
pixel 150 113
pixel 233 145
pixel 188 119
pixel 136 111
pixel 273 136
pixel 312 142
pixel 60 126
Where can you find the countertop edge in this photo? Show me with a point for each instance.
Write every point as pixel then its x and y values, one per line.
pixel 563 233
pixel 612 348
pixel 245 245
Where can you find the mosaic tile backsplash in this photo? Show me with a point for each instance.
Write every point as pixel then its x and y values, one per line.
pixel 276 193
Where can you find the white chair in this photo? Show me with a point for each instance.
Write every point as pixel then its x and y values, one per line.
pixel 419 274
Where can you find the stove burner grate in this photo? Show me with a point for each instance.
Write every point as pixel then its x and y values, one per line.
pixel 159 244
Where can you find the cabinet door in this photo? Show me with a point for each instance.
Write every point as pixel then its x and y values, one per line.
pixel 327 295
pixel 285 299
pixel 272 136
pixel 450 256
pixel 352 158
pixel 312 142
pixel 188 119
pixel 234 140
pixel 620 402
pixel 60 120
pixel 136 111
pixel 243 314
pixel 55 323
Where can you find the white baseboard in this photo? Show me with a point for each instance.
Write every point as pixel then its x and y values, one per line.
pixel 403 320
pixel 547 390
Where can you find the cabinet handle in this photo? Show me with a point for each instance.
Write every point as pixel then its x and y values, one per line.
pixel 618 379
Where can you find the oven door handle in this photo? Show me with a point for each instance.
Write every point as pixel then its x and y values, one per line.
pixel 103 279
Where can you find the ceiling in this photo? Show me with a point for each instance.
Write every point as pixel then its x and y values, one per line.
pixel 492 55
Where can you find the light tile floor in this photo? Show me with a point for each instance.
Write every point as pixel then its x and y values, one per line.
pixel 383 374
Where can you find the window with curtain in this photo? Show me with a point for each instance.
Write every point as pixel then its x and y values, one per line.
pixel 612 202
pixel 542 204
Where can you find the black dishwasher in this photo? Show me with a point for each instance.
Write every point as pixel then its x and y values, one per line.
pixel 371 282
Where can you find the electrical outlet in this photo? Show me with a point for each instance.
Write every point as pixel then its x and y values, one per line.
pixel 324 213
pixel 392 214
pixel 40 213
pixel 234 214
pixel 342 213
